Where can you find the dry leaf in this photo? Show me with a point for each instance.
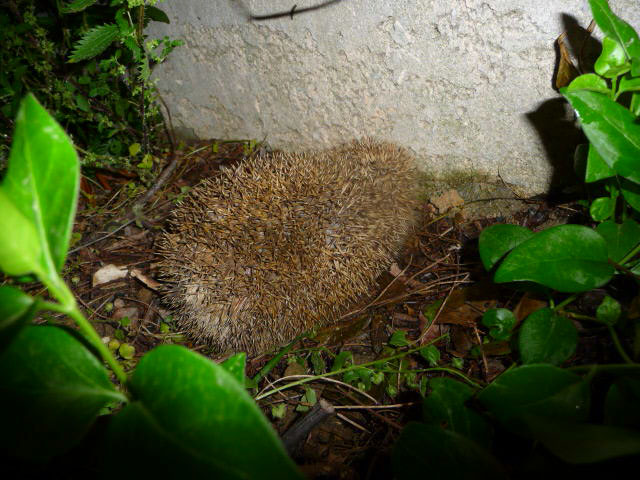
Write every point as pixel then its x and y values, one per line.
pixel 566 69
pixel 108 273
pixel 149 282
pixel 447 200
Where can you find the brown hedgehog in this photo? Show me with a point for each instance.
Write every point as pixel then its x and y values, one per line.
pixel 281 244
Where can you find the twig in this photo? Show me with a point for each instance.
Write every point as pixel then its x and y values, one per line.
pixel 294 437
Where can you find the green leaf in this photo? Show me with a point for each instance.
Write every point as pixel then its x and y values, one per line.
pixel 125 27
pixel 126 351
pixel 428 450
pixel 628 84
pixel 611 129
pixel 620 238
pixel 618 30
pixel 431 354
pixel 155 14
pixel 621 404
pixel 589 81
pixel 635 103
pixel 568 258
pixel 19 246
pixel 446 407
pixel 536 390
pixel 602 208
pixel 399 339
pixel 16 310
pixel 82 103
pixel 583 443
pixel 546 337
pixel 236 365
pixel 308 400
pixel 318 363
pixel 51 391
pixel 500 321
pixel 630 192
pixel 42 181
pixel 134 148
pixel 608 311
pixel 77 6
pixel 597 168
pixel 498 240
pixel 192 419
pixel 341 360
pixel 613 61
pixel 94 42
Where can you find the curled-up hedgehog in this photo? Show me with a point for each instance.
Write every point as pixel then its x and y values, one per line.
pixel 283 243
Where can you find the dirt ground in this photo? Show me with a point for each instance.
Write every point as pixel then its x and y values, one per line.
pixel 439 276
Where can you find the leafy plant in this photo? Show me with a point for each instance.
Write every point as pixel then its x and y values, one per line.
pixel 90 63
pixel 178 413
pixel 560 409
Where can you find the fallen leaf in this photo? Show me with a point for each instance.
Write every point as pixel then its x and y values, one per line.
pixel 108 273
pixel 447 200
pixel 148 281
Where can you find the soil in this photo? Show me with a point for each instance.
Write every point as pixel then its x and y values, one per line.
pixel 439 264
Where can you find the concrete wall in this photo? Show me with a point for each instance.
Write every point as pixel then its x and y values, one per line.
pixel 464 84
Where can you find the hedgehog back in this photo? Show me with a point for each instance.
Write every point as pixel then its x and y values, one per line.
pixel 281 244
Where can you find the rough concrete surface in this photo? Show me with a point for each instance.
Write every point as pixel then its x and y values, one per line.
pixel 466 85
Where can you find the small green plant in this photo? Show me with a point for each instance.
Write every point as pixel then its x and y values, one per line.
pixel 177 413
pixel 578 415
pixel 90 63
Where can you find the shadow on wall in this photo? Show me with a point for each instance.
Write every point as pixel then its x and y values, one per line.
pixel 553 119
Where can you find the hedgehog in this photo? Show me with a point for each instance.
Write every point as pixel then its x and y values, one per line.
pixel 284 243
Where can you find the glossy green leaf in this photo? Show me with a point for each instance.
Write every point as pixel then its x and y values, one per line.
pixel 621 403
pixel 20 250
pixel 498 240
pixel 446 407
pixel 584 443
pixel 628 84
pixel 500 321
pixel 611 129
pixel 536 390
pixel 430 451
pixel 635 102
pixel 620 237
pixel 602 208
pixel 192 419
pixel 16 310
pixel 589 81
pixel 608 311
pixel 597 168
pixel 94 42
pixel 630 192
pixel 613 61
pixel 42 181
pixel 547 338
pixel 568 258
pixel 619 30
pixel 51 391
pixel 236 365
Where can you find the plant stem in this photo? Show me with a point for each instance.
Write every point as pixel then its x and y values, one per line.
pixel 566 301
pixel 630 255
pixel 68 306
pixel 451 371
pixel 346 369
pixel 618 345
